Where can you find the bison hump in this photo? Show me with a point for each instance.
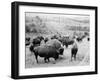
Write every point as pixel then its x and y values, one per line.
pixel 54 43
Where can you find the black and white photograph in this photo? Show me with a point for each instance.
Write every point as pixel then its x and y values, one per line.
pixel 50 40
pixel 56 40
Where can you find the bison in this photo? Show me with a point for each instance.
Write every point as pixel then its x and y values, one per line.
pixel 66 41
pixel 88 39
pixel 46 52
pixel 54 37
pixel 37 40
pixel 40 37
pixel 74 51
pixel 79 39
pixel 46 39
pixel 52 48
pixel 27 40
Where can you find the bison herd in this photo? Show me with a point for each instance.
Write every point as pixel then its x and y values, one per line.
pixel 53 47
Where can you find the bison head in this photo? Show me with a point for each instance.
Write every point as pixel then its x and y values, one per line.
pixel 61 50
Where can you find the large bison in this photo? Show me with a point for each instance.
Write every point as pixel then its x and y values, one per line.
pixel 46 52
pixel 52 48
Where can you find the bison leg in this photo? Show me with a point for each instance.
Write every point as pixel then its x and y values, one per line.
pixel 45 59
pixel 75 54
pixel 72 56
pixel 54 60
pixel 75 57
pixel 36 56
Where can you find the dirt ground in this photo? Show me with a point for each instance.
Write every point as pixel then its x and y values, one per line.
pixel 64 60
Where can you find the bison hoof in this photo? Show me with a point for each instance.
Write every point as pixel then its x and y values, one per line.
pixel 54 62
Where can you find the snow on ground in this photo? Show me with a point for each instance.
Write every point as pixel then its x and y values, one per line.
pixel 64 60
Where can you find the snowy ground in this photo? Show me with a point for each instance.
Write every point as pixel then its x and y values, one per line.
pixel 64 60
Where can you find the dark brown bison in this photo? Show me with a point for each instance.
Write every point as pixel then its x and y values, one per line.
pixel 27 41
pixel 40 37
pixel 88 39
pixel 56 44
pixel 52 49
pixel 66 41
pixel 46 52
pixel 54 37
pixel 74 51
pixel 46 39
pixel 79 39
pixel 37 40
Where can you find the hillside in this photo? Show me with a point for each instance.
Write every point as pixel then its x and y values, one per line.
pixel 52 25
